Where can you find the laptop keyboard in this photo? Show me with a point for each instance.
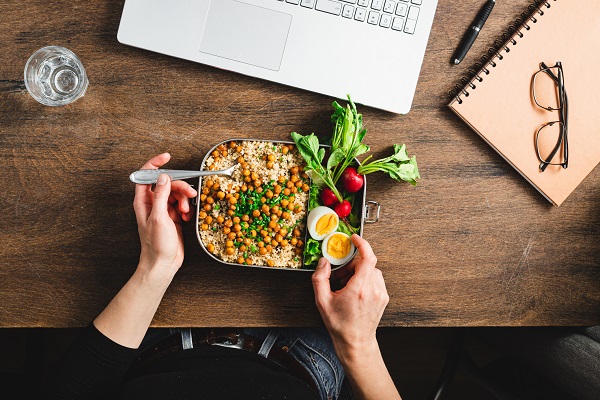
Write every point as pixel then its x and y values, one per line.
pixel 398 15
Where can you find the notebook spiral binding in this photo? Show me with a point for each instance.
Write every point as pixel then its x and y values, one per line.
pixel 493 56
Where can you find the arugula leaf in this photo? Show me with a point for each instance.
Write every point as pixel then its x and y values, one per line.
pixel 398 166
pixel 313 197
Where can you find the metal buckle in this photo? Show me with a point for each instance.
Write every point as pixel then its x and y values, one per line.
pixel 372 207
pixel 227 342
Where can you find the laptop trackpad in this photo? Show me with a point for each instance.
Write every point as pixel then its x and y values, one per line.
pixel 245 33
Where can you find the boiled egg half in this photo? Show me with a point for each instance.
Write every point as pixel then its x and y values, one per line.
pixel 321 222
pixel 337 248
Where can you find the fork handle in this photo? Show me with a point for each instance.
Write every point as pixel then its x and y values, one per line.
pixel 149 176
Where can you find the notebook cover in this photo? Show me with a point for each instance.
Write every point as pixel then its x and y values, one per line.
pixel 501 109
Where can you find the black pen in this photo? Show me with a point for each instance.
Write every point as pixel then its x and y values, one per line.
pixel 471 34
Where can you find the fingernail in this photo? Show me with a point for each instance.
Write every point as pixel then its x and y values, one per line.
pixel 322 262
pixel 162 179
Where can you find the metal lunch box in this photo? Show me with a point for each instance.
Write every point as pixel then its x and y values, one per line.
pixel 369 211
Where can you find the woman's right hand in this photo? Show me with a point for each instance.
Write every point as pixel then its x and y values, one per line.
pixel 352 313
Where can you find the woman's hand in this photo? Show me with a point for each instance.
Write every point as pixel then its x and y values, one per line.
pixel 159 214
pixel 352 314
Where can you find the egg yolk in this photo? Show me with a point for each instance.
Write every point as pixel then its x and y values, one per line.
pixel 326 224
pixel 338 246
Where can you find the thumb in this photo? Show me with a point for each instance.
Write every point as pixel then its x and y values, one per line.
pixel 320 280
pixel 161 194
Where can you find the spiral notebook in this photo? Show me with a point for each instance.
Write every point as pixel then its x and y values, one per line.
pixel 496 100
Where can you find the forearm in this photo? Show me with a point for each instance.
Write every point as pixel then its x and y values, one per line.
pixel 127 317
pixel 367 372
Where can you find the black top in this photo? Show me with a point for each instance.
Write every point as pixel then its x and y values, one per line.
pixel 96 367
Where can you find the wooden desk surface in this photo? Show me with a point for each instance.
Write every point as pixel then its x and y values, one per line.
pixel 473 245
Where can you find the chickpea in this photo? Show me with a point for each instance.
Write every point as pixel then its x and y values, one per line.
pixel 257 183
pixel 244 188
pixel 259 189
pixel 292 199
pixel 244 165
pixel 236 195
pixel 210 200
pixel 297 209
pixel 286 215
pixel 240 159
pixel 229 223
pixel 294 178
pixel 299 184
pixel 270 164
pixel 232 145
pixel 296 232
pixel 242 248
pixel 274 243
pixel 294 170
pixel 305 188
pixel 220 219
pixel 269 247
pixel 247 241
pixel 289 184
pixel 287 192
pixel 210 247
pixel 265 209
pixel 232 200
pixel 294 190
pixel 261 244
pixel 269 194
pixel 208 219
pixel 230 212
pixel 236 220
pixel 239 149
pixel 284 243
pixel 209 183
pixel 220 195
pixel 271 157
pixel 254 176
pixel 300 243
pixel 263 199
pixel 279 213
pixel 206 190
pixel 262 251
pixel 281 179
pixel 283 232
pixel 272 224
pixel 237 227
pixel 256 213
pixel 285 149
pixel 202 198
pixel 207 207
pixel 246 172
pixel 211 167
pixel 247 179
pixel 273 218
pixel 230 251
pixel 202 215
pixel 249 261
pixel 290 207
pixel 277 189
pixel 232 235
pixel 215 153
pixel 253 233
pixel 270 263
pixel 221 147
pixel 274 209
pixel 245 218
pixel 278 238
pixel 229 243
pixel 216 187
pixel 241 260
pixel 284 202
pixel 293 241
pixel 264 233
pixel 226 230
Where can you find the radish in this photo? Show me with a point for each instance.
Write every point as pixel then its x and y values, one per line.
pixel 343 209
pixel 328 197
pixel 352 180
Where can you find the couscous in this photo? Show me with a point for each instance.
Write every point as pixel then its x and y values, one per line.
pixel 258 215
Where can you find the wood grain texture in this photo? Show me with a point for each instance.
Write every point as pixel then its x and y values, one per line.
pixel 473 245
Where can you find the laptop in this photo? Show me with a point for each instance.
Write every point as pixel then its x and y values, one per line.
pixel 370 49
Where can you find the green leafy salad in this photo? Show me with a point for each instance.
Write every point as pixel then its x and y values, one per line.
pixel 336 176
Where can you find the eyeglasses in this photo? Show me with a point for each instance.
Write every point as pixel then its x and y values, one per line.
pixel 549 93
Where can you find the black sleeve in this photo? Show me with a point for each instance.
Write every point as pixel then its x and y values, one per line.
pixel 93 366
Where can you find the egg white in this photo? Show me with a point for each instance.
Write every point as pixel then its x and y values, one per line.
pixel 313 217
pixel 329 257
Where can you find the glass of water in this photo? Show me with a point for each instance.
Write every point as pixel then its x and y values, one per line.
pixel 54 76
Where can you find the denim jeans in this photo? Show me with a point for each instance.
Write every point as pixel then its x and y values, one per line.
pixel 311 347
